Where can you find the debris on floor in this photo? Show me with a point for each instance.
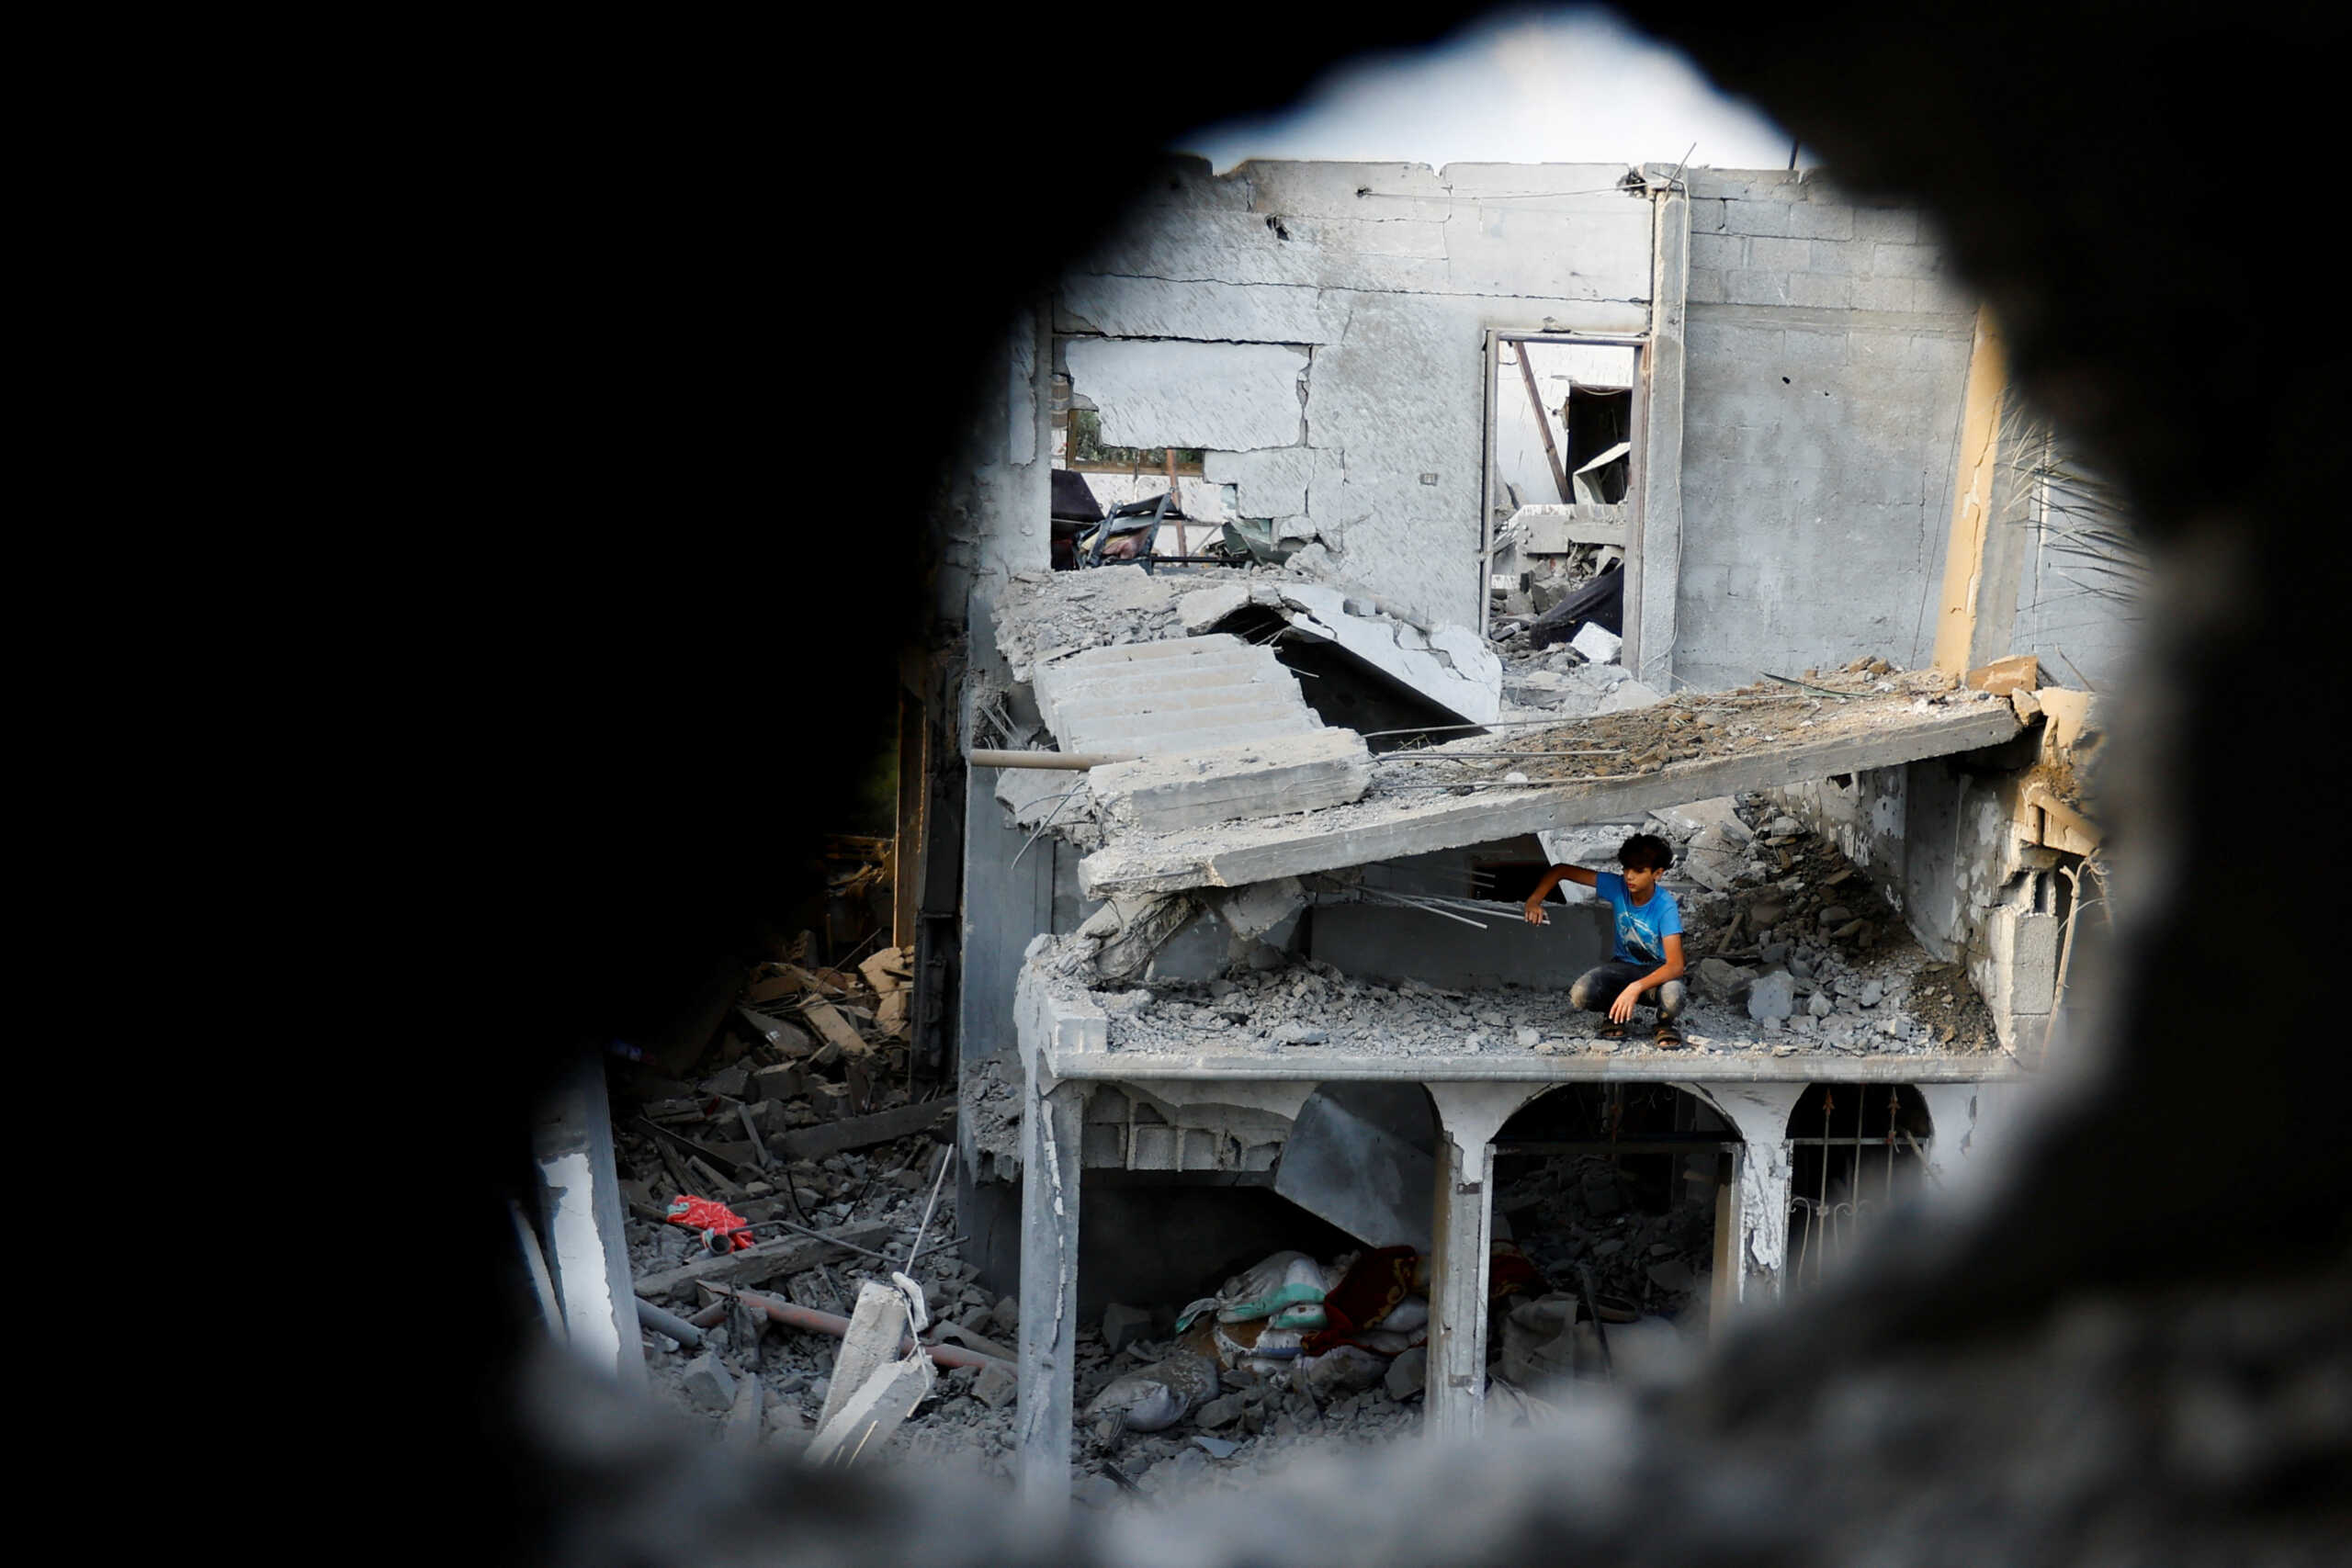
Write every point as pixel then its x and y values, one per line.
pixel 1789 946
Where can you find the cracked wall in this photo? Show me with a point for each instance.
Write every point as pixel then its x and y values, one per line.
pixel 1364 292
pixel 1828 356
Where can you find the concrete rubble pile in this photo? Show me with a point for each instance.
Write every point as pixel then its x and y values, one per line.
pixel 1788 946
pixel 787 1171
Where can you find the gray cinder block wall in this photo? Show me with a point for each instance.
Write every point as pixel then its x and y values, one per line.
pixel 1320 328
pixel 1828 356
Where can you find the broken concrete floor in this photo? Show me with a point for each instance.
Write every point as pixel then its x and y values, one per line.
pixel 1790 949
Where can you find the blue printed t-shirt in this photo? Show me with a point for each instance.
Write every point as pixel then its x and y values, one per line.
pixel 1642 929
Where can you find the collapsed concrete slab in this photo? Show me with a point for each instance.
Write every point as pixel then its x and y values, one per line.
pixel 1185 694
pixel 1387 825
pixel 1450 665
pixel 1251 778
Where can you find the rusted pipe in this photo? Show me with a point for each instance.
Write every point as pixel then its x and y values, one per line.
pixel 1073 760
pixel 686 1334
pixel 794 1315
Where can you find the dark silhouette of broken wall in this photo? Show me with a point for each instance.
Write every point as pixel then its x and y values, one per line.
pixel 2140 1352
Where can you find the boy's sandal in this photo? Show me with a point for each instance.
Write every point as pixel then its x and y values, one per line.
pixel 1612 1031
pixel 1668 1036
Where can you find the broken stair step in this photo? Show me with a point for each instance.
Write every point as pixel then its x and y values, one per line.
pixel 1180 649
pixel 1173 739
pixel 1254 778
pixel 1205 699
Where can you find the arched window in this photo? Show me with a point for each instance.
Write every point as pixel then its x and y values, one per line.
pixel 1856 1150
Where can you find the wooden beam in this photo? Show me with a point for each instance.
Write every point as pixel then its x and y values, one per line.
pixel 1543 425
pixel 858 1131
pixel 768 1259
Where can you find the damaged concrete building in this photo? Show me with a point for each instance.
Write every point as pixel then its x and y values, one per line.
pixel 1268 944
pixel 1529 507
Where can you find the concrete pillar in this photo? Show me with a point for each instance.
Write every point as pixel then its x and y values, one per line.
pixel 580 1216
pixel 1654 567
pixel 1052 1115
pixel 1759 1207
pixel 1468 1116
pixel 1967 597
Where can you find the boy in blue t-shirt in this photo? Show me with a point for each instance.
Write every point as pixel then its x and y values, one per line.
pixel 1649 954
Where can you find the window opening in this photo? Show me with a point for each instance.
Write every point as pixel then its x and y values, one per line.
pixel 1857 1150
pixel 1606 1198
pixel 1561 485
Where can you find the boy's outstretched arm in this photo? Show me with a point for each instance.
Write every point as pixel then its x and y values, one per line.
pixel 1552 879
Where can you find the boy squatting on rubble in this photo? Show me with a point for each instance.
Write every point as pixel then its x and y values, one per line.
pixel 1648 952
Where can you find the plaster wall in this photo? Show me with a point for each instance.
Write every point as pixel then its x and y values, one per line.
pixel 1365 292
pixel 1826 358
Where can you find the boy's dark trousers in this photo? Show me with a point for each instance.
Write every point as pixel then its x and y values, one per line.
pixel 1597 990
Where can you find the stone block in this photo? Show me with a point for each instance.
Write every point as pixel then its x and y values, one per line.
pixel 1260 778
pixel 1704 286
pixel 1721 251
pixel 1156 1148
pixel 1772 997
pixel 1715 858
pixel 780 1084
pixel 1830 258
pixel 1597 643
pixel 1232 396
pixel 2027 947
pixel 1906 261
pixel 1767 254
pixel 1884 294
pixel 996 1387
pixel 1748 286
pixel 1407 1373
pixel 1223 1411
pixel 709 1385
pixel 1822 221
pixel 1899 224
pixel 1721 981
pixel 1820 292
pixel 1763 219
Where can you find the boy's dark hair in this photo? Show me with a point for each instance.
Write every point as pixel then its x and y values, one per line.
pixel 1645 851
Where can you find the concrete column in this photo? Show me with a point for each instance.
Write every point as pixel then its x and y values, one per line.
pixel 1759 1209
pixel 1052 1115
pixel 1967 596
pixel 1468 1117
pixel 580 1217
pixel 1654 566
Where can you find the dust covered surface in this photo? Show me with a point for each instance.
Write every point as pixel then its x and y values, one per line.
pixel 1794 904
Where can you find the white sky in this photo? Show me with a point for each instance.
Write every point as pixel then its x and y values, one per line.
pixel 1571 86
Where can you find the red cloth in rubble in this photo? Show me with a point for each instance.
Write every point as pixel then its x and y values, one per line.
pixel 702 1215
